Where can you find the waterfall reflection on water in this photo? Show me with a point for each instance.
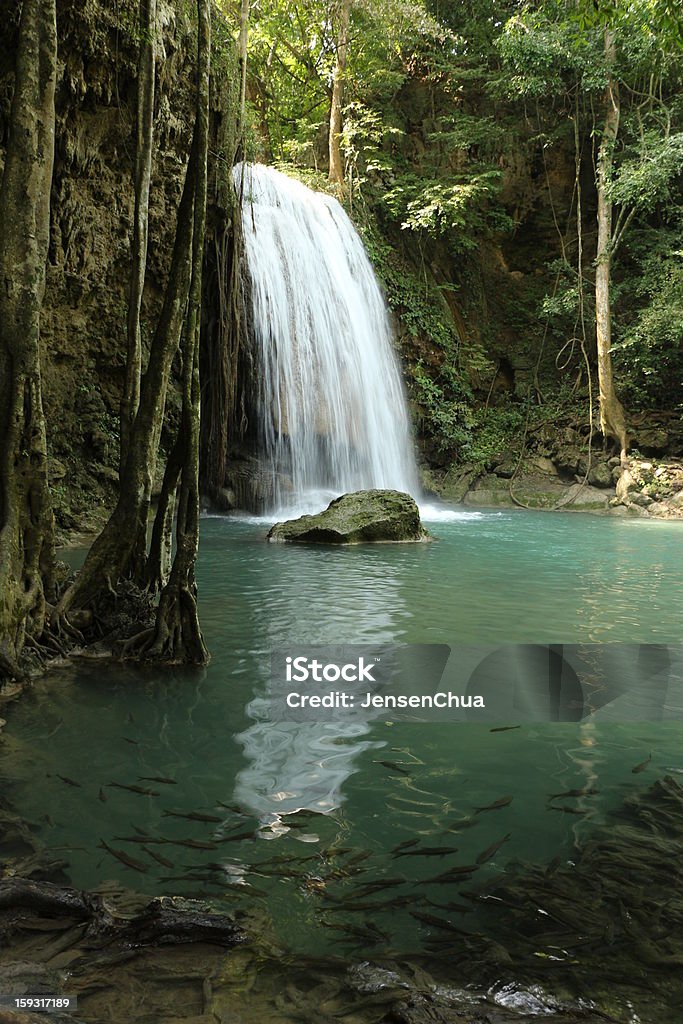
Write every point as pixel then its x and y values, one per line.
pixel 304 765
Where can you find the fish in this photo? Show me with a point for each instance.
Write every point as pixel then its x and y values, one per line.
pixel 405 845
pixel 147 837
pixel 362 933
pixel 235 838
pixel 135 743
pixel 192 816
pixel 452 873
pixel 140 840
pixel 460 823
pixel 355 907
pixel 358 857
pixel 135 789
pixel 157 778
pixel 504 801
pixel 103 796
pixel 459 908
pixel 393 766
pixel 289 859
pixel 394 902
pixel 586 791
pixel 68 781
pixel 122 856
pixel 164 861
pixel 429 851
pixel 336 851
pixel 568 810
pixel 436 922
pixel 130 718
pixel 381 883
pixel 194 844
pixel 505 728
pixel 642 766
pixel 491 850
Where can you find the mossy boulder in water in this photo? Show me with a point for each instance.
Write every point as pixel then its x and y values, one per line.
pixel 357 518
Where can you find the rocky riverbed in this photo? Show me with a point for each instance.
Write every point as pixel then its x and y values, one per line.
pixel 644 487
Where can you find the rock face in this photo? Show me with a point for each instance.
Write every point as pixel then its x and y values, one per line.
pixel 357 518
pixel 83 319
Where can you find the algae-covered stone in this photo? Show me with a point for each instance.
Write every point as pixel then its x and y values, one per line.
pixel 357 518
pixel 600 475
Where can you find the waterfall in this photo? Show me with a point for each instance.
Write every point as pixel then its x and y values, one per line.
pixel 331 406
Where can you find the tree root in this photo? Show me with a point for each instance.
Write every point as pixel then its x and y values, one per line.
pixel 10 668
pixel 177 637
pixel 132 647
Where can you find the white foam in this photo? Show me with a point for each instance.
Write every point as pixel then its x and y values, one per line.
pixel 332 409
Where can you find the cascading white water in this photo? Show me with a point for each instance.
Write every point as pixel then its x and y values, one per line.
pixel 332 408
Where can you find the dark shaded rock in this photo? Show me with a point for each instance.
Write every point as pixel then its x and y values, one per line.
pixel 224 499
pixel 171 919
pixel 360 517
pixel 167 919
pixel 452 485
pixel 567 459
pixel 250 484
pixel 651 442
pixel 600 475
pixel 642 499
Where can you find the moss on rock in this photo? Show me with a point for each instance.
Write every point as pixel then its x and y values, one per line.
pixel 360 517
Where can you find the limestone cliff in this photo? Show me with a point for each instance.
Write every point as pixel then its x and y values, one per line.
pixel 84 317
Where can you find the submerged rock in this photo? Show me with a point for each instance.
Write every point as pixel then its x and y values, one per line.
pixel 356 518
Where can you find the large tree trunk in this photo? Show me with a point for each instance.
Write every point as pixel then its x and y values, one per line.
pixel 110 555
pixel 130 398
pixel 222 341
pixel 158 568
pixel 612 419
pixel 177 637
pixel 336 163
pixel 26 523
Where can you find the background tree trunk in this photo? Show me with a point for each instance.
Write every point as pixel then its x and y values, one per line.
pixel 336 163
pixel 242 47
pixel 26 523
pixel 612 419
pixel 177 637
pixel 109 557
pixel 130 398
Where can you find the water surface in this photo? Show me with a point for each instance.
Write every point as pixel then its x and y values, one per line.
pixel 309 814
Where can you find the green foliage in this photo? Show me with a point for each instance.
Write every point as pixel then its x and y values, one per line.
pixel 445 407
pixel 648 175
pixel 445 205
pixel 446 105
pixel 362 137
pixel 440 392
pixel 649 357
pixel 493 432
